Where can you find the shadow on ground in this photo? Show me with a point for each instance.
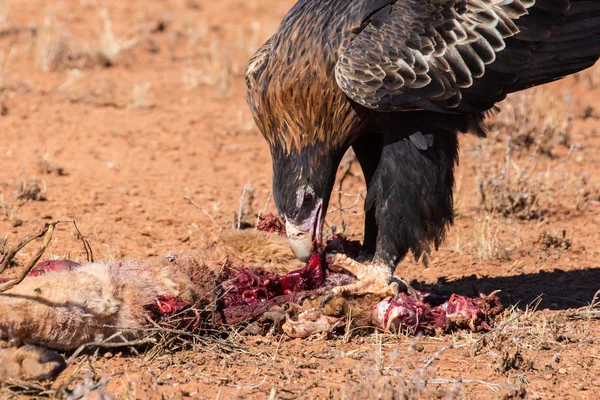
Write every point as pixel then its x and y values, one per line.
pixel 559 290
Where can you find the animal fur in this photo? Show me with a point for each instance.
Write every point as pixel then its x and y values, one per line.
pixel 63 310
pixel 30 363
pixel 258 249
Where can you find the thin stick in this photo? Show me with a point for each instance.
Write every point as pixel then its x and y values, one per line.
pixel 80 348
pixel 49 230
pixel 277 349
pixel 122 344
pixel 111 345
pixel 346 174
pixel 436 356
pixel 8 257
pixel 205 213
pixel 89 255
pixel 298 389
pixel 239 221
pixel 591 340
pixel 496 329
pixel 546 295
pixel 440 381
pixel 358 196
pixel 264 211
pixel 594 302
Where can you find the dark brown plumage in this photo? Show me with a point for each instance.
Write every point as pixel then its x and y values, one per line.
pixel 397 80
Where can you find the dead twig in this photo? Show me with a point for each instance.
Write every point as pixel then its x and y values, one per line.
pixel 435 357
pixel 239 220
pixel 496 329
pixel 86 245
pixel 110 345
pixel 27 387
pixel 264 211
pixel 47 231
pixel 440 381
pixel 291 390
pixel 10 255
pixel 205 212
pixel 358 196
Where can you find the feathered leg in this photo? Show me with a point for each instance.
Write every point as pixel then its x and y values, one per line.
pixel 368 153
pixel 411 193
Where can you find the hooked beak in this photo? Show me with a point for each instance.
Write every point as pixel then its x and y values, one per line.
pixel 305 236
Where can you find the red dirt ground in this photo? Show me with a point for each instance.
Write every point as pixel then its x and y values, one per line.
pixel 118 148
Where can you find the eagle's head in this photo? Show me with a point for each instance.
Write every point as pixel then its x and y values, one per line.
pixel 302 184
pixel 307 138
pixel 309 124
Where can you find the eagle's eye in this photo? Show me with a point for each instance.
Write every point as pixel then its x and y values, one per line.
pixel 308 199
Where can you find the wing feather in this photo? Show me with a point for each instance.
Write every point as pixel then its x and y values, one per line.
pixel 446 55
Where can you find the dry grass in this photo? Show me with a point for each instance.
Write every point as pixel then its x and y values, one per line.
pixel 346 210
pixel 7 212
pixel 588 313
pixel 3 16
pixel 531 188
pixel 220 64
pixel 510 189
pixel 553 240
pixel 30 190
pixel 528 342
pixel 111 49
pixel 535 119
pixel 3 245
pixel 523 185
pixel 5 59
pixel 54 48
pixel 140 96
pixel 51 45
pixel 397 374
pixel 190 75
pixel 247 213
pixel 6 55
pixel 219 68
pixel 49 167
pixel 486 244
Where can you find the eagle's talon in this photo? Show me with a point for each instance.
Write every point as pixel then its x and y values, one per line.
pixel 410 290
pixel 395 287
pixel 371 278
pixel 407 287
pixel 344 262
pixel 327 297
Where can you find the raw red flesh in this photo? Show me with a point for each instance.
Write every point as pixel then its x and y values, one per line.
pixel 53 266
pixel 170 305
pixel 270 223
pixel 310 277
pixel 174 312
pixel 246 286
pixel 417 315
pixel 49 266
